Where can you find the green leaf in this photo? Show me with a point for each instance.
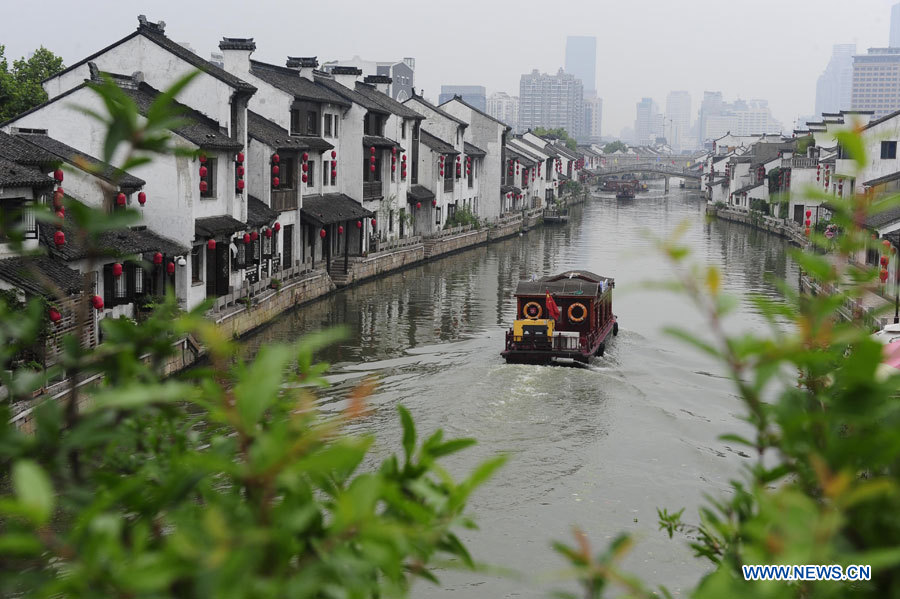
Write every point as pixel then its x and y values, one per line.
pixel 20 544
pixel 138 395
pixel 33 489
pixel 259 385
pixel 409 432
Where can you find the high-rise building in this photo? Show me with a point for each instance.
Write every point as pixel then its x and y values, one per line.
pixel 894 41
pixel 505 108
pixel 581 60
pixel 712 105
pixel 876 81
pixel 678 120
pixel 593 117
pixel 835 84
pixel 551 101
pixel 752 117
pixel 647 123
pixel 473 95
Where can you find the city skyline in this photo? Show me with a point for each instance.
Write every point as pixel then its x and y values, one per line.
pixel 636 71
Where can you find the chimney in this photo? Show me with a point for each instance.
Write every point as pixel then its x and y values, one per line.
pixel 305 65
pixel 381 82
pixel 346 76
pixel 236 53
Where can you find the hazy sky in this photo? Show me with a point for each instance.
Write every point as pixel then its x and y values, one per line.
pixel 772 49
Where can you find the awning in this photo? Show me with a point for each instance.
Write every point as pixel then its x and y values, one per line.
pixel 473 150
pixel 332 208
pixel 510 189
pixel 882 180
pixel 379 142
pixel 419 193
pixel 258 214
pixel 39 275
pixel 212 226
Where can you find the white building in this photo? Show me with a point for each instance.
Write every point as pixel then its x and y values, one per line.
pixel 505 108
pixel 678 121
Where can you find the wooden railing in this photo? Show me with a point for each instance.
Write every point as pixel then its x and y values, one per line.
pixel 372 189
pixel 384 246
pixel 284 199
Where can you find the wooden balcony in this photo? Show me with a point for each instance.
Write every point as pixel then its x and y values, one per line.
pixel 284 199
pixel 372 190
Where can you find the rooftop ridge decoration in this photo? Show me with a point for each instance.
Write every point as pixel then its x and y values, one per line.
pixel 378 79
pixel 144 24
pixel 237 43
pixel 302 62
pixel 346 71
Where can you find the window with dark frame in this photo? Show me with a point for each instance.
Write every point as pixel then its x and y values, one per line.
pixel 325 172
pixel 368 174
pixel 326 131
pixel 437 215
pixel 210 192
pixel 336 120
pixel 286 172
pixel 310 174
pixel 403 130
pixel 17 213
pixel 197 264
pixel 390 221
pixel 295 122
pixel 888 150
pixel 312 123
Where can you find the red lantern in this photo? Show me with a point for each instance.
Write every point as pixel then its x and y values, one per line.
pixel 59 238
pixel 276 158
pixel 403 158
pixel 322 233
pixel 394 151
pixel 393 168
pixel 886 244
pixel 359 224
pixel 202 158
pixel 240 157
pixel 277 227
pixel 211 244
pixel 120 199
pixel 240 184
pixel 418 204
pixel 142 198
pixel 254 235
pixel 334 174
pixel 157 258
pixel 203 186
pixel 372 150
pixel 333 154
pixel 246 237
pixel 372 168
pixel 117 270
pixel 97 302
pixel 884 260
pixel 807 232
pixel 340 229
pixel 275 170
pixel 54 315
pixel 58 194
pixel 60 214
pixel 373 222
pixel 58 175
pixel 808 213
pixel 268 232
pixel 372 159
pixel 883 275
pixel 304 178
pixel 203 171
pixel 442 172
pixel 305 156
pixel 170 268
pixel 304 167
pixel 434 202
pixel 275 181
pixel 808 222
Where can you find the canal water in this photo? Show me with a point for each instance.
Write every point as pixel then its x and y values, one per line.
pixel 599 448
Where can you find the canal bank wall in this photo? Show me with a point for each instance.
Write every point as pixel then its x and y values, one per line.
pixel 256 305
pixel 776 226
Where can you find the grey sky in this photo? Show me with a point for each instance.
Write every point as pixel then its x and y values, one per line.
pixel 772 49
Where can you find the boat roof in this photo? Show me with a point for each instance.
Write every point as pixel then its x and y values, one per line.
pixel 575 282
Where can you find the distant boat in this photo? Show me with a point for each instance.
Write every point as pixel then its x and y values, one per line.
pixel 554 215
pixel 625 192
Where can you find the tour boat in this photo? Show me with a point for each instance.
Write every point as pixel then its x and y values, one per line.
pixel 554 215
pixel 626 192
pixel 565 317
pixel 610 185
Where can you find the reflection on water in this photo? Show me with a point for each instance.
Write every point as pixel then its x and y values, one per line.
pixel 600 447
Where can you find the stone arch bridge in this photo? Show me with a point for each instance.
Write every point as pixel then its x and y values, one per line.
pixel 662 167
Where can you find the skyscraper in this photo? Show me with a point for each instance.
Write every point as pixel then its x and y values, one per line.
pixel 551 101
pixel 504 107
pixel 647 122
pixel 678 120
pixel 581 60
pixel 473 95
pixel 712 106
pixel 876 81
pixel 593 117
pixel 894 41
pixel 835 84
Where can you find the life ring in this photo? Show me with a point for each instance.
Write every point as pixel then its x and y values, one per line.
pixel 527 313
pixel 584 312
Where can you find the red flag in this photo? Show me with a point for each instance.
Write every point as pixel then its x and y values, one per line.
pixel 552 308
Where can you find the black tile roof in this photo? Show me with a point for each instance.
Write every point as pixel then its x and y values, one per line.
pixel 747 188
pixel 528 154
pixel 258 214
pixel 332 208
pixel 351 95
pixel 387 102
pixel 39 275
pixel 419 193
pixel 564 150
pixel 438 145
pixel 882 218
pixel 290 81
pixel 505 189
pixel 200 130
pixel 379 142
pixel 565 287
pixel 533 146
pixel 275 136
pixel 13 148
pixel 440 111
pixel 80 160
pixel 152 32
pixel 481 112
pixel 213 226
pixel 523 159
pixel 473 150
pixel 121 242
pixel 15 175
